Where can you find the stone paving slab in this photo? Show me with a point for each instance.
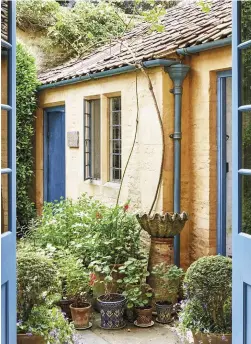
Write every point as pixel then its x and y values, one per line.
pixel 158 334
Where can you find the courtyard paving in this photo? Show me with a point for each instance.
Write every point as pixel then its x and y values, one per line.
pixel 158 334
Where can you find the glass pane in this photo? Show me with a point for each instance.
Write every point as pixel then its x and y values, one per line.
pixel 246 140
pixel 246 204
pixel 245 20
pixel 116 105
pixel 116 118
pixel 116 133
pixel 4 75
pixel 4 139
pixel 4 19
pixel 246 76
pixel 4 203
pixel 96 139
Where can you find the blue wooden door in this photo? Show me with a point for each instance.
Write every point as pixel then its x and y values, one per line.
pixel 241 172
pixel 54 154
pixel 8 180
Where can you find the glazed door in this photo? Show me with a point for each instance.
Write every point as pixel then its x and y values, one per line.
pixel 8 175
pixel 241 185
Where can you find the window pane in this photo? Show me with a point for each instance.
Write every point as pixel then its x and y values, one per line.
pixel 4 139
pixel 246 204
pixel 4 19
pixel 245 20
pixel 4 75
pixel 246 76
pixel 4 203
pixel 246 140
pixel 96 138
pixel 115 139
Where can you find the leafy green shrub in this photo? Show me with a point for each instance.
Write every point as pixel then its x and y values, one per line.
pixel 74 279
pixel 116 237
pixel 49 323
pixel 208 288
pixel 37 280
pixel 27 83
pixel 138 293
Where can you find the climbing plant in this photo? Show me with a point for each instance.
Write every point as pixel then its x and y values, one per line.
pixel 27 83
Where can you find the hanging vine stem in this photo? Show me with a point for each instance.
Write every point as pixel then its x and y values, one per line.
pixel 150 87
pixel 135 136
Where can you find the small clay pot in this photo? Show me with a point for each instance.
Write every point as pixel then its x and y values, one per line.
pixel 81 315
pixel 25 339
pixel 65 307
pixel 144 315
pixel 164 311
pixel 212 338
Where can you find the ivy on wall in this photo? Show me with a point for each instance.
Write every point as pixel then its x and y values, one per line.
pixel 27 83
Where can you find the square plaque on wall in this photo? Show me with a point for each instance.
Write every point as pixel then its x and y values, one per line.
pixel 73 139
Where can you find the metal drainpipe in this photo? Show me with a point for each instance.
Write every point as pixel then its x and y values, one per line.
pixel 177 73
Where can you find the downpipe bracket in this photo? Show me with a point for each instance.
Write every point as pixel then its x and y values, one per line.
pixel 176 136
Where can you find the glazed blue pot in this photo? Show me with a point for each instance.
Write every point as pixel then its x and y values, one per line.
pixel 112 308
pixel 164 312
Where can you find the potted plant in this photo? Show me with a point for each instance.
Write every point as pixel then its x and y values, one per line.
pixel 170 278
pixel 207 309
pixel 76 289
pixel 37 286
pixel 116 237
pixel 138 293
pixel 45 325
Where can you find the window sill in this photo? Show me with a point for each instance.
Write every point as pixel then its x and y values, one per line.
pixel 112 185
pixel 93 181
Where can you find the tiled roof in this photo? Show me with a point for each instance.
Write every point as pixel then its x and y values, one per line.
pixel 185 25
pixel 4 20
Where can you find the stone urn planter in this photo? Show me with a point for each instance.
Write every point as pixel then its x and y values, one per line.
pixel 162 229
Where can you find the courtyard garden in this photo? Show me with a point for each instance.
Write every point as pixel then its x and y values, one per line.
pixel 82 258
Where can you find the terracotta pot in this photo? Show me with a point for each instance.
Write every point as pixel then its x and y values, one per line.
pixel 65 307
pixel 144 315
pixel 112 308
pixel 81 315
pixel 164 312
pixel 24 339
pixel 212 338
pixel 112 287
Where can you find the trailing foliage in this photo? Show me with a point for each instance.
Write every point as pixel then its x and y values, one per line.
pixel 70 32
pixel 26 104
pixel 208 288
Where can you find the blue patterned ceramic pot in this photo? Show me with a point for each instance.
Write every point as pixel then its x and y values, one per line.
pixel 164 312
pixel 112 308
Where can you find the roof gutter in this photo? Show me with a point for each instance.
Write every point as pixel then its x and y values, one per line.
pixel 206 46
pixel 110 72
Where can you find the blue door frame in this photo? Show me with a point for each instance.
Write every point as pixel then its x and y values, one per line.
pixel 241 241
pixel 58 154
pixel 8 238
pixel 221 161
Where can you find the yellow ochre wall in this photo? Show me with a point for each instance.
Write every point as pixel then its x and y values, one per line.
pixel 199 146
pixel 142 173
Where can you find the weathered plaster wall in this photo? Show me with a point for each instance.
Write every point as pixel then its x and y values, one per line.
pixel 199 149
pixel 142 174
